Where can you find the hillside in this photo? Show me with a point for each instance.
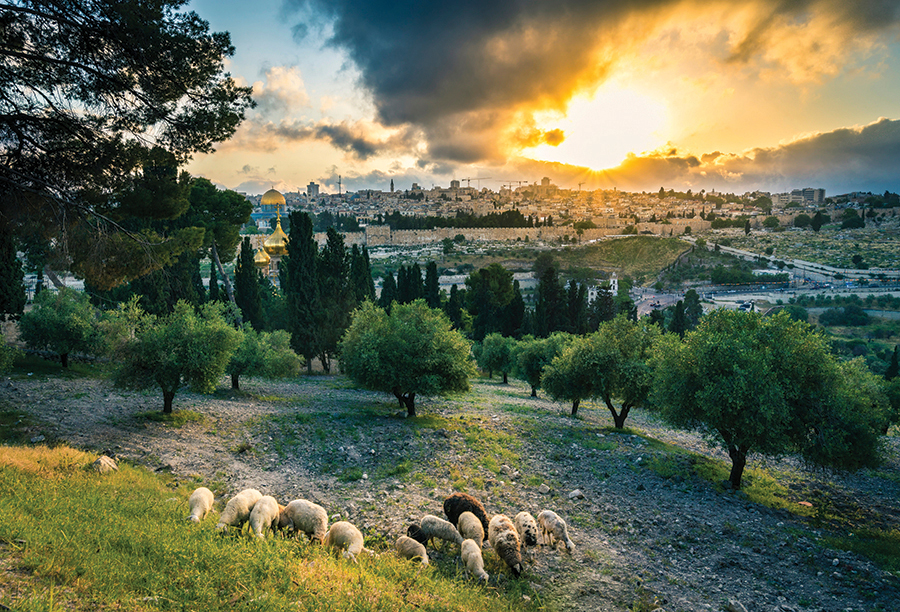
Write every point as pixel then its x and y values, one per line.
pixel 653 529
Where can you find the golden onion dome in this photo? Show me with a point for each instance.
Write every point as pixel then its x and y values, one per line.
pixel 272 198
pixel 276 243
pixel 261 259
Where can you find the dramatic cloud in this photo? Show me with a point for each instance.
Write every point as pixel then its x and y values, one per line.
pixel 467 74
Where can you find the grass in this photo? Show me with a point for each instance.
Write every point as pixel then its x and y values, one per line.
pixel 176 418
pixel 65 527
pixel 35 368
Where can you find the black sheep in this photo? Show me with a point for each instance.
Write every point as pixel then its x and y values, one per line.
pixel 457 503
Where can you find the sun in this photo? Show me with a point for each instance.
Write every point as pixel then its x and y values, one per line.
pixel 601 131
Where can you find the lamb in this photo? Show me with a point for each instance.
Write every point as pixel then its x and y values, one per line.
pixel 302 515
pixel 470 527
pixel 431 527
pixel 200 503
pixel 344 535
pixel 527 528
pixel 411 549
pixel 470 552
pixel 238 509
pixel 264 516
pixel 553 528
pixel 504 540
pixel 457 503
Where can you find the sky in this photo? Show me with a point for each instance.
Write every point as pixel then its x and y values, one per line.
pixel 718 95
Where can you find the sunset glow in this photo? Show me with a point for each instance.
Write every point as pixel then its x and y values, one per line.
pixel 601 131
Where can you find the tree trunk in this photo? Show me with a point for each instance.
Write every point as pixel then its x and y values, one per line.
pixel 308 365
pixel 575 403
pixel 533 391
pixel 325 361
pixel 53 278
pixel 215 255
pixel 234 382
pixel 738 461
pixel 168 396
pixel 618 417
pixel 505 378
pixel 410 400
pixel 64 359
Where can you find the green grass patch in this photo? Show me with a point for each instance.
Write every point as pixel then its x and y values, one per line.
pixel 177 418
pixel 64 527
pixel 31 367
pixel 15 425
pixel 880 545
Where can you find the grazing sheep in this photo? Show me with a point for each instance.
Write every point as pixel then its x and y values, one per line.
pixel 527 528
pixel 553 528
pixel 302 515
pixel 470 527
pixel 457 503
pixel 264 516
pixel 431 527
pixel 410 549
pixel 344 535
pixel 238 509
pixel 504 540
pixel 200 503
pixel 470 552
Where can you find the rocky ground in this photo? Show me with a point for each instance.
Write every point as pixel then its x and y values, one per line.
pixel 650 533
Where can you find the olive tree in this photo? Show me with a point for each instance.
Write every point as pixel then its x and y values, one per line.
pixel 411 351
pixel 265 354
pixel 63 323
pixel 185 347
pixel 496 354
pixel 769 385
pixel 533 355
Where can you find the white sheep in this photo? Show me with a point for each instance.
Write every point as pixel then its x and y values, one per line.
pixel 264 516
pixel 238 509
pixel 410 549
pixel 527 528
pixel 345 536
pixel 553 529
pixel 200 503
pixel 302 515
pixel 470 527
pixel 470 552
pixel 431 527
pixel 504 540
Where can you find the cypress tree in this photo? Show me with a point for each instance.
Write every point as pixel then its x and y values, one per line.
pixel 370 282
pixel 336 301
pixel 432 288
pixel 12 287
pixel 416 284
pixel 894 368
pixel 214 295
pixel 679 320
pixel 453 308
pixel 388 291
pixel 246 286
pixel 550 309
pixel 361 275
pixel 301 287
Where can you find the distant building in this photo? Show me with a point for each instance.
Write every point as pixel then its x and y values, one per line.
pixel 312 190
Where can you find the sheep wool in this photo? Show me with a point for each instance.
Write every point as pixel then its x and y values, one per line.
pixel 302 515
pixel 238 509
pixel 527 528
pixel 457 503
pixel 553 529
pixel 410 549
pixel 200 503
pixel 345 536
pixel 264 516
pixel 470 527
pixel 504 540
pixel 431 527
pixel 470 552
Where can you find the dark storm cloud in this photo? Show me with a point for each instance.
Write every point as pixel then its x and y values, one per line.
pixel 447 66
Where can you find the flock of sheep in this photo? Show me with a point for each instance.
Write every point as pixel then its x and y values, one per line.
pixel 465 526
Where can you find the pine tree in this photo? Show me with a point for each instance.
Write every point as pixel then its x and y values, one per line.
pixel 301 286
pixel 12 288
pixel 432 287
pixel 246 286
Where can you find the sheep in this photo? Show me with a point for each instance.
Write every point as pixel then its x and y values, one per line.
pixel 411 549
pixel 457 503
pixel 431 527
pixel 554 528
pixel 264 516
pixel 238 509
pixel 470 552
pixel 504 540
pixel 470 527
pixel 200 503
pixel 344 535
pixel 527 528
pixel 302 515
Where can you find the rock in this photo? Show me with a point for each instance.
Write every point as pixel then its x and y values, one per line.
pixel 576 494
pixel 543 489
pixel 37 439
pixel 640 487
pixel 734 605
pixel 336 517
pixel 105 465
pixel 835 562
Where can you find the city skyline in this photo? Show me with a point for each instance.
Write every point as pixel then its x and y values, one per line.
pixel 634 95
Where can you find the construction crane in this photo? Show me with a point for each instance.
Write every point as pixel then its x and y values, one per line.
pixel 579 186
pixel 475 178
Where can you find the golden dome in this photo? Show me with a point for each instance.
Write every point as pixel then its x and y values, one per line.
pixel 272 198
pixel 276 243
pixel 261 259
